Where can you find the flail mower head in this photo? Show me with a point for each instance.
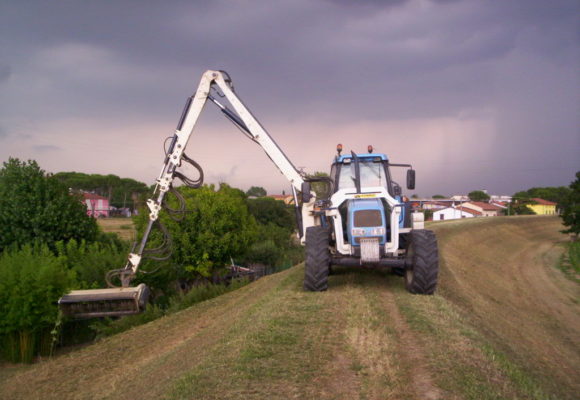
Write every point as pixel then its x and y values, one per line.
pixel 113 302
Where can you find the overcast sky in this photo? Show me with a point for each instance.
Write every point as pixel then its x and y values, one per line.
pixel 475 94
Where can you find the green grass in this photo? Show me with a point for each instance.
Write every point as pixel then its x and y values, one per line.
pixel 197 294
pixel 269 348
pixel 365 338
pixel 570 261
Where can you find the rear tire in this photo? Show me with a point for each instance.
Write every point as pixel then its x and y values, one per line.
pixel 421 275
pixel 317 261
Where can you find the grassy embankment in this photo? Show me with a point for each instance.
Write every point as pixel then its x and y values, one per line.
pixel 504 324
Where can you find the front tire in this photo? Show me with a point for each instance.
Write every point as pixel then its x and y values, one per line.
pixel 317 261
pixel 422 273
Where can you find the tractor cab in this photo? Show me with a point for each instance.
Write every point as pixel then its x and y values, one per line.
pixel 372 171
pixel 366 212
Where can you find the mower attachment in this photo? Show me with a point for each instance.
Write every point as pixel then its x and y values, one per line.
pixel 113 302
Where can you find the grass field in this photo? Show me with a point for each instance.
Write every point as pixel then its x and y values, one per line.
pixel 504 324
pixel 123 227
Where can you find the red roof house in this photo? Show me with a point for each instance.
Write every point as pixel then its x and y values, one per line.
pixel 486 209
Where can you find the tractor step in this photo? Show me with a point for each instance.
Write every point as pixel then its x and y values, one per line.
pixel 114 302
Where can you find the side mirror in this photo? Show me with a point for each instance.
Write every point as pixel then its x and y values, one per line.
pixel 306 196
pixel 411 179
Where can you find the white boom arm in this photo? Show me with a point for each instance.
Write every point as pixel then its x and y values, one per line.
pixel 244 119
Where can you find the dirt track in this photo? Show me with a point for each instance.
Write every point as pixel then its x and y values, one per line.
pixel 504 324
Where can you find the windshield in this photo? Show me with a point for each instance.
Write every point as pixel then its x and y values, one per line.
pixel 372 173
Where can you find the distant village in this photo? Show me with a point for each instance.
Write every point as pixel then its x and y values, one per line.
pixel 460 206
pixel 435 209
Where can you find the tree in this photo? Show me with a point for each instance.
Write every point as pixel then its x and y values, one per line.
pixel 555 194
pixel 35 206
pixel 216 226
pixel 519 204
pixel 571 208
pixel 256 191
pixel 31 281
pixel 478 195
pixel 267 210
pixel 438 196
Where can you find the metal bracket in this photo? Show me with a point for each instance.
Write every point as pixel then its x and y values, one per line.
pixel 154 207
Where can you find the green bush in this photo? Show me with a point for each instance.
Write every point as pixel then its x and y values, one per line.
pixel 274 247
pixel 266 210
pixel 91 261
pixel 36 207
pixel 215 227
pixel 265 252
pixel 32 279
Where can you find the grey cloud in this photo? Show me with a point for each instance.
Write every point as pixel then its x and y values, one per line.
pixel 45 148
pixel 512 63
pixel 5 72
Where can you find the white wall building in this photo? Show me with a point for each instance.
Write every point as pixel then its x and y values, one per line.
pixel 454 213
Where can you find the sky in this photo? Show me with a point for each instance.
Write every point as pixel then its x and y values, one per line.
pixel 475 94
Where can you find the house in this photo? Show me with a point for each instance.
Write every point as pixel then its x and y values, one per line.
pixel 460 197
pixel 501 204
pixel 97 206
pixel 500 199
pixel 486 209
pixel 543 207
pixel 455 213
pixel 434 205
pixel 286 198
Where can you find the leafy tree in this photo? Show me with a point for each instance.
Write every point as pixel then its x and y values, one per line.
pixel 267 210
pixel 32 279
pixel 35 206
pixel 478 195
pixel 556 194
pixel 414 196
pixel 256 191
pixel 216 226
pixel 571 208
pixel 519 204
pixel 438 196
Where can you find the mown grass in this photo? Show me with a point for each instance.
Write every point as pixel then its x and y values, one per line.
pixel 519 317
pixel 272 340
pixel 197 294
pixel 570 261
pixel 467 365
pixel 276 349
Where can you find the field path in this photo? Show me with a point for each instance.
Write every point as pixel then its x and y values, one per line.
pixel 504 324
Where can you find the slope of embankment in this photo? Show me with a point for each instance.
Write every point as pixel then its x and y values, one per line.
pixel 504 324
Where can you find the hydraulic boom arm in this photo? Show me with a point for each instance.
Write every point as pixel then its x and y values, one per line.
pixel 216 81
pixel 125 300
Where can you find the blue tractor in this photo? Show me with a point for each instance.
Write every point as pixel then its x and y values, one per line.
pixel 365 221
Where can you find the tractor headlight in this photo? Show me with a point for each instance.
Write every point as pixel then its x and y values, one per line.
pixel 358 232
pixel 377 231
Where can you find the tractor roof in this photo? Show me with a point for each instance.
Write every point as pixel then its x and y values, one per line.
pixel 382 157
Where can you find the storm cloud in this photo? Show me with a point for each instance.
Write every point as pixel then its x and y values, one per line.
pixel 475 94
